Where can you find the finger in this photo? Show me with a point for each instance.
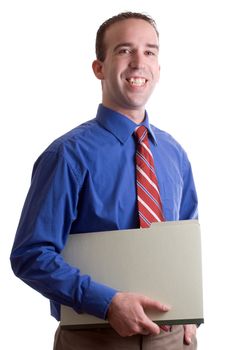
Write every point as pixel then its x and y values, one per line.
pixel 189 331
pixel 148 303
pixel 151 327
pixel 187 339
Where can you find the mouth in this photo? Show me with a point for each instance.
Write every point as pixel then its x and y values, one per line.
pixel 137 81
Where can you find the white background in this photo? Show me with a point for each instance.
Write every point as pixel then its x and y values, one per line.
pixel 203 99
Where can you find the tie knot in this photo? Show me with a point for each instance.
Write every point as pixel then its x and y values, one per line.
pixel 141 133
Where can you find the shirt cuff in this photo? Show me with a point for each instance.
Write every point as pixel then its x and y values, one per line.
pixel 97 299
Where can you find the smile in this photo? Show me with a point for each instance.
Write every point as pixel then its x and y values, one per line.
pixel 137 81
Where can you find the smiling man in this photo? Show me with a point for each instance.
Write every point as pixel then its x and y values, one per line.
pixel 116 171
pixel 130 68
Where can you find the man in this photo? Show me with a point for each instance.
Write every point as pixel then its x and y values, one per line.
pixel 85 181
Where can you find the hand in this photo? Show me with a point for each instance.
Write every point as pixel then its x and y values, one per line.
pixel 189 331
pixel 127 316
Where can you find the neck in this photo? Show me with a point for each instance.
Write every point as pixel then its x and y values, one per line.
pixel 136 116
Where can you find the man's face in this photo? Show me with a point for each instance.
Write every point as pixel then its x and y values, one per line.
pixel 130 70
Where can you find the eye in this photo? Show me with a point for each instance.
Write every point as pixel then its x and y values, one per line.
pixel 150 53
pixel 124 51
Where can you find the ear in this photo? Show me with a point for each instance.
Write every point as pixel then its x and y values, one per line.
pixel 159 68
pixel 98 69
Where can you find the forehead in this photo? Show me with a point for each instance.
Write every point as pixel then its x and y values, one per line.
pixel 135 31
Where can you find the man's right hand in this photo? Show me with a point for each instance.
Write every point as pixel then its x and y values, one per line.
pixel 126 314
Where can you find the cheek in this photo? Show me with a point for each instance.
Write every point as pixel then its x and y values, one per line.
pixel 112 72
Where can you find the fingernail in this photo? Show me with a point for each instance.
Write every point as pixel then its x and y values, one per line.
pixel 165 328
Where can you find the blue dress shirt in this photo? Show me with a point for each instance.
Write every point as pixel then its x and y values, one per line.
pixel 85 182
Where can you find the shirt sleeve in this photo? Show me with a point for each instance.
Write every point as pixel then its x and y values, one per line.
pixel 50 208
pixel 189 200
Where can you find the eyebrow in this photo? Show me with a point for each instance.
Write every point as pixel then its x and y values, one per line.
pixel 128 44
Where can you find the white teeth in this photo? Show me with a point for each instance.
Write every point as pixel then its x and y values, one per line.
pixel 137 81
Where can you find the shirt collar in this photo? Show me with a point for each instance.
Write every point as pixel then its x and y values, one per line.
pixel 119 125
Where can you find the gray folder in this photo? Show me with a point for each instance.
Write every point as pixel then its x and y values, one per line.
pixel 162 262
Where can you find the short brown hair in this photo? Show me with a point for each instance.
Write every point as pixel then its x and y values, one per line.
pixel 99 44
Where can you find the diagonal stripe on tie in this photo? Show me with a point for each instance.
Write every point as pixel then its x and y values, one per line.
pixel 149 209
pixel 144 163
pixel 148 196
pixel 144 193
pixel 146 177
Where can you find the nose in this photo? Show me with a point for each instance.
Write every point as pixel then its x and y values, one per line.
pixel 137 60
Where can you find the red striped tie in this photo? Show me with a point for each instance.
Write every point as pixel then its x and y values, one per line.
pixel 148 196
